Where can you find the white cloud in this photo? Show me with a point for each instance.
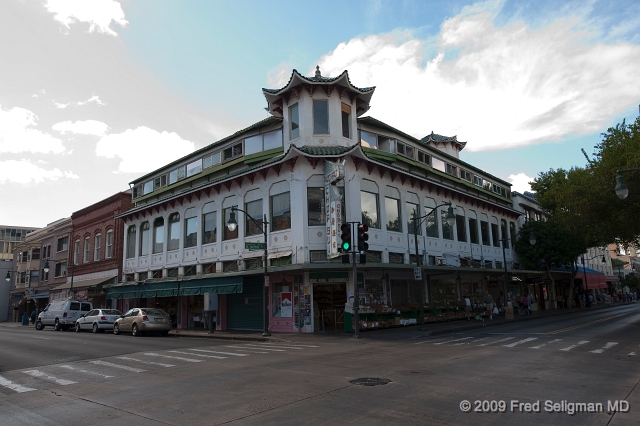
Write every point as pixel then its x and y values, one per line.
pixel 17 133
pixel 59 105
pixel 87 127
pixel 97 13
pixel 520 182
pixel 143 149
pixel 495 87
pixel 94 99
pixel 25 172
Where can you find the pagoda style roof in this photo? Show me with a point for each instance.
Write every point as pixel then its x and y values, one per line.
pixel 435 139
pixel 298 82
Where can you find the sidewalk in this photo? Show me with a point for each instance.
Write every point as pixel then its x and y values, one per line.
pixel 387 334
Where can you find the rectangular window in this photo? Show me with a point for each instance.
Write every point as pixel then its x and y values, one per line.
pixel 226 233
pixel 76 252
pixel 315 206
pixel 232 152
pixel 63 243
pixel 466 175
pixel 346 120
pixel 320 117
pixel 191 232
pixel 158 235
pixel 424 158
pixel 96 248
pixel 368 140
pixel 438 164
pixel 86 250
pixel 131 242
pixel 194 168
pixel 369 209
pixel 209 228
pixel 160 181
pixel 505 233
pixel 294 119
pixel 477 180
pixel 182 173
pixel 145 233
pixel 432 223
pixel 109 252
pixel 494 235
pixel 173 176
pixel 461 228
pixel 512 228
pixel 174 232
pixel 405 150
pixel 447 231
pixel 253 145
pixel 392 210
pixel 254 208
pixel 61 269
pixel 473 231
pixel 484 230
pixel 211 160
pixel 452 170
pixel 272 140
pixel 410 208
pixel 35 254
pixel 280 212
pixel 33 277
pixel 147 188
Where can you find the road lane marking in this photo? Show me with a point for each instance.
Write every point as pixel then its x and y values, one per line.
pixel 174 357
pixel 287 345
pixel 265 349
pixel 145 362
pixel 473 341
pixel 272 346
pixel 122 367
pixel 609 345
pixel 68 367
pixel 454 340
pixel 545 344
pixel 43 338
pixel 247 350
pixel 39 374
pixel 563 330
pixel 202 355
pixel 631 353
pixel 14 386
pixel 497 341
pixel 217 352
pixel 568 348
pixel 519 342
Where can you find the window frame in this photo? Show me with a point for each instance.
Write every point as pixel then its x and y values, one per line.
pixel 374 225
pixel 390 202
pixel 174 218
pixel 154 242
pixel 145 232
pixel 316 124
pixel 345 110
pixel 280 224
pixel 108 253
pixel 97 242
pixel 250 228
pixel 87 249
pixel 130 252
pixel 294 133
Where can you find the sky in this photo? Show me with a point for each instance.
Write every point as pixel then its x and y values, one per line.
pixel 95 93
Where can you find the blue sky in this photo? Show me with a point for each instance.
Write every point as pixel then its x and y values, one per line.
pixel 100 92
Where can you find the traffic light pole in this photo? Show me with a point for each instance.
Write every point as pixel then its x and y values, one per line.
pixel 349 230
pixel 356 292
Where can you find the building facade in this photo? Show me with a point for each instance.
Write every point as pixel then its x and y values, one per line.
pixel 297 175
pixel 10 237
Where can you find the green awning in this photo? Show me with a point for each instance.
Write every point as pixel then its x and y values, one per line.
pixel 227 285
pixel 124 292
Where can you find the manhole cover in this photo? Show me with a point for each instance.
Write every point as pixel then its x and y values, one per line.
pixel 370 381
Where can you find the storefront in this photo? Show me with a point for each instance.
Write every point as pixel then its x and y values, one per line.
pixel 326 302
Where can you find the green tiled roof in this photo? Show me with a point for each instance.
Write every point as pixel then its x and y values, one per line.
pixel 320 79
pixel 325 150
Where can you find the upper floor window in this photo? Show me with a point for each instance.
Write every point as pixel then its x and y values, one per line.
pixel 63 243
pixel 438 164
pixel 346 120
pixel 190 228
pixel 158 235
pixel 405 150
pixel 477 180
pixel 263 142
pixel 320 117
pixel 61 269
pixel 232 152
pixel 461 227
pixel 131 242
pixel 209 224
pixel 280 212
pixel 412 209
pixel 147 188
pixel 87 250
pixel 174 232
pixel 505 233
pixel 495 236
pixel 160 181
pixel 96 247
pixel 466 175
pixel 315 206
pixel 452 170
pixel 35 254
pixel 294 120
pixel 447 230
pixel 194 168
pixel 484 231
pixel 424 158
pixel 432 223
pixel 512 233
pixel 144 239
pixel 368 140
pixel 109 251
pixel 473 230
pixel 392 211
pixel 226 233
pixel 369 209
pixel 76 252
pixel 211 160
pixel 254 208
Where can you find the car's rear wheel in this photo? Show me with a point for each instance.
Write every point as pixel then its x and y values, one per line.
pixel 77 327
pixel 116 329
pixel 134 331
pixel 56 325
pixel 95 328
pixel 39 325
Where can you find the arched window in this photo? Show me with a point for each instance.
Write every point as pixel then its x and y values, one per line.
pixel 158 235
pixel 144 239
pixel 174 232
pixel 131 242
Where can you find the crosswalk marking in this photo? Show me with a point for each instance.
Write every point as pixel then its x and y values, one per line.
pixel 455 340
pixel 145 362
pixel 519 342
pixel 217 352
pixel 272 346
pixel 202 355
pixel 545 344
pixel 14 386
pixel 287 345
pixel 265 349
pixel 497 341
pixel 123 367
pixel 473 341
pixel 255 351
pixel 609 345
pixel 568 348
pixel 173 357
pixel 40 375
pixel 68 367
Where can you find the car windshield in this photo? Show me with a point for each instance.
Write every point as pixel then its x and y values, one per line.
pixel 111 312
pixel 153 312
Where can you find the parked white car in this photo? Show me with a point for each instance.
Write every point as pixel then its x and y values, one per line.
pixel 98 320
pixel 62 314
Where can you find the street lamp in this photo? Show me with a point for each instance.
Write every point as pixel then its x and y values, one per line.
pixel 451 220
pixel 622 191
pixel 232 225
pixel 586 287
pixel 504 241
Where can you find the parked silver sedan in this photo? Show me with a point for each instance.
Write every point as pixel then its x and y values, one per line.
pixel 98 320
pixel 140 321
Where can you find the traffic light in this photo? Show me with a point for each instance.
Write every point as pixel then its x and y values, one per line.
pixel 363 237
pixel 346 237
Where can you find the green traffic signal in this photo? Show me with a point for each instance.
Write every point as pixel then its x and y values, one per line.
pixel 346 246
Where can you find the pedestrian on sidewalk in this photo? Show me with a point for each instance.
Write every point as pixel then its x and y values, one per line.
pixel 467 307
pixel 488 300
pixel 527 303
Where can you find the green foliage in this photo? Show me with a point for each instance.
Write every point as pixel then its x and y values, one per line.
pixel 631 280
pixel 554 245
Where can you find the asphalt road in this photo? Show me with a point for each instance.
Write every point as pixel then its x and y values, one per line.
pixel 591 357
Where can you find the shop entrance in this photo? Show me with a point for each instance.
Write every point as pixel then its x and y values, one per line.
pixel 328 306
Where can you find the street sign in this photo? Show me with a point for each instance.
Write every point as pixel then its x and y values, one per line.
pixel 254 246
pixel 266 281
pixel 417 274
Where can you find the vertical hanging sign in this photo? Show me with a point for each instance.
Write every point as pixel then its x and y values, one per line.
pixel 333 172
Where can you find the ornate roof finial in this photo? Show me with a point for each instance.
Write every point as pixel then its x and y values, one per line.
pixel 318 71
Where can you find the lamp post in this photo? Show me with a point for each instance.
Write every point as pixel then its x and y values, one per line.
pixel 417 221
pixel 504 240
pixel 231 225
pixel 586 287
pixel 622 191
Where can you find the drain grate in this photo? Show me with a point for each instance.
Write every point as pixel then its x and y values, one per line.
pixel 370 381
